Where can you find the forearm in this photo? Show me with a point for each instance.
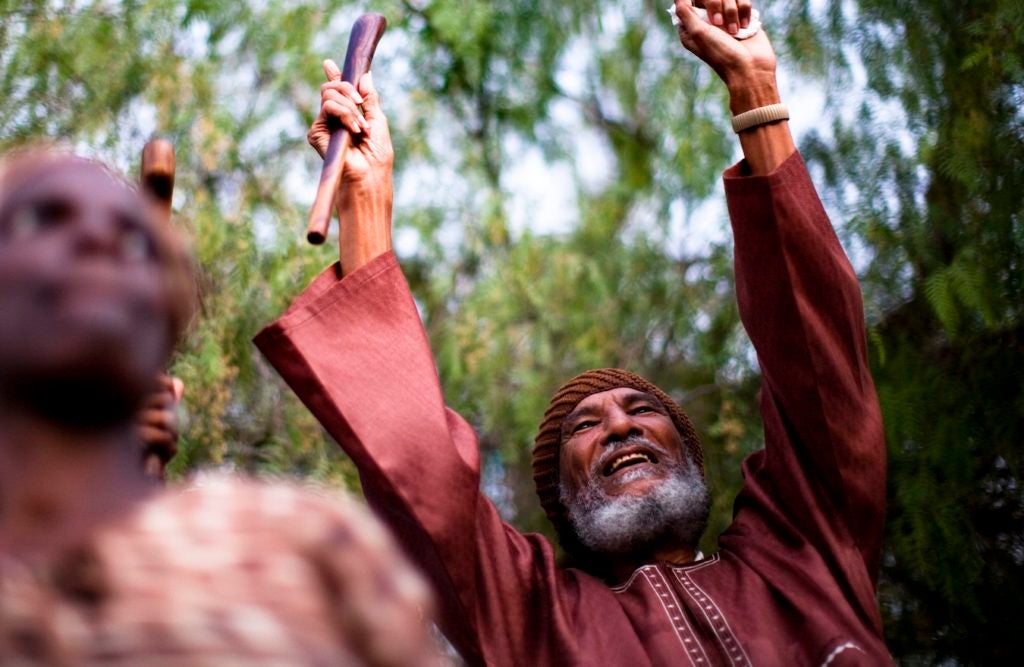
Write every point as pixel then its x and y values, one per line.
pixel 801 306
pixel 356 353
pixel 765 147
pixel 798 294
pixel 365 213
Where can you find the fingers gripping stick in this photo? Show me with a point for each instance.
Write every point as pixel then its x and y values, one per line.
pixel 362 43
pixel 743 33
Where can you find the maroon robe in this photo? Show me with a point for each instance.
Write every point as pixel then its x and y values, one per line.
pixel 793 580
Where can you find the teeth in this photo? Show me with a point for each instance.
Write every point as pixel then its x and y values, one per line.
pixel 628 458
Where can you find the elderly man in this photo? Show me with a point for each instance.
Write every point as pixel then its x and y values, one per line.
pixel 617 464
pixel 97 564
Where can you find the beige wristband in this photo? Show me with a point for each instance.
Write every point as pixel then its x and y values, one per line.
pixel 759 116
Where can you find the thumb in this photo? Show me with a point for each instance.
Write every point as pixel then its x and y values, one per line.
pixel 332 70
pixel 177 389
pixel 690 23
pixel 712 45
pixel 371 100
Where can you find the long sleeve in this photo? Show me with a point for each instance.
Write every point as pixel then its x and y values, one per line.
pixel 354 350
pixel 808 519
pixel 823 467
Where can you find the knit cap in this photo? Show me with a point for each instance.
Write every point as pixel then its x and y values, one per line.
pixel 548 444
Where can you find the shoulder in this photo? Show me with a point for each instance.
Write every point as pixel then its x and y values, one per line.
pixel 302 517
pixel 322 545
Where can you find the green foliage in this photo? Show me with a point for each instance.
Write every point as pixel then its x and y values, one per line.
pixel 929 176
pixel 922 163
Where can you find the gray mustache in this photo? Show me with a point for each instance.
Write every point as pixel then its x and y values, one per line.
pixel 631 441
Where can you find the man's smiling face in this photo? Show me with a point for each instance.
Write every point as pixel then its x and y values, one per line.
pixel 626 479
pixel 622 439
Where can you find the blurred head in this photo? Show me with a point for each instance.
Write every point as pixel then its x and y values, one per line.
pixel 93 291
pixel 618 467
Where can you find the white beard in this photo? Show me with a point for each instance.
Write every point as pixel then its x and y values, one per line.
pixel 675 510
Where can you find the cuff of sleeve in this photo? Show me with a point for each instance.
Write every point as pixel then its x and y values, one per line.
pixel 326 289
pixel 738 179
pixel 752 200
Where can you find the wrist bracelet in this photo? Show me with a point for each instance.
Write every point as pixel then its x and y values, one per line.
pixel 759 116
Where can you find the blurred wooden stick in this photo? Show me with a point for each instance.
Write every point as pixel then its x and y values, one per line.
pixel 157 175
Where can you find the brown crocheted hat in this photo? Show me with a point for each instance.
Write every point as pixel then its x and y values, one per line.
pixel 548 444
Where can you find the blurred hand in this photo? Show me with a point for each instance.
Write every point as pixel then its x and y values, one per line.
pixel 158 425
pixel 371 156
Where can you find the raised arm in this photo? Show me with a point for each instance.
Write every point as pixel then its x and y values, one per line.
pixel 824 464
pixel 353 348
pixel 747 67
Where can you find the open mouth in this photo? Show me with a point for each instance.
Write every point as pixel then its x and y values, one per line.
pixel 628 460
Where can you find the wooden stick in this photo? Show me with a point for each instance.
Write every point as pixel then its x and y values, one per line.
pixel 362 43
pixel 157 175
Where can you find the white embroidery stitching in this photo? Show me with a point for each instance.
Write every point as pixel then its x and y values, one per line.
pixel 629 582
pixel 691 646
pixel 695 652
pixel 698 565
pixel 699 562
pixel 716 619
pixel 839 649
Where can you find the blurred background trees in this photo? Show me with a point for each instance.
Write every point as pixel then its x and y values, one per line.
pixel 559 208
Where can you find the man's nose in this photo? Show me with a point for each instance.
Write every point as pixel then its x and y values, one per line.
pixel 619 425
pixel 96 234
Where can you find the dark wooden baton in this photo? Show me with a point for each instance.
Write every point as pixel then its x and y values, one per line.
pixel 362 43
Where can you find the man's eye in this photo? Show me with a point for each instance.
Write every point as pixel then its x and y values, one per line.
pixel 640 409
pixel 24 223
pixel 136 246
pixel 30 220
pixel 582 426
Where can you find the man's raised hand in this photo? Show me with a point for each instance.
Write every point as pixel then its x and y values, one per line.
pixel 747 67
pixel 365 195
pixel 158 424
pixel 371 155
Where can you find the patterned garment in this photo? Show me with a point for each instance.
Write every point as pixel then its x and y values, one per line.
pixel 222 572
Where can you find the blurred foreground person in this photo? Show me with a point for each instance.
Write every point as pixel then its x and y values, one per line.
pixel 617 464
pixel 98 564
